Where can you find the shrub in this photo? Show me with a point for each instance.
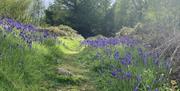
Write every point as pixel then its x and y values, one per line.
pixel 63 30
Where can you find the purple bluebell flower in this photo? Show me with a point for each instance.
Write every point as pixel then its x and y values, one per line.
pixel 156 54
pixel 8 20
pixel 156 61
pixel 155 81
pixel 8 28
pixel 18 25
pixel 145 58
pixel 128 75
pixel 127 59
pixel 124 61
pixel 27 31
pixel 115 72
pixel 46 34
pixel 156 89
pixel 136 88
pixel 103 42
pixel 139 78
pixel 155 58
pixel 116 55
pixel 1 22
pixel 140 52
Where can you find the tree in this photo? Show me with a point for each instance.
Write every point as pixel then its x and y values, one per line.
pixel 129 12
pixel 86 16
pixel 37 11
pixel 16 9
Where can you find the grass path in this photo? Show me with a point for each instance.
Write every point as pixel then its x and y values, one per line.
pixel 80 80
pixel 80 75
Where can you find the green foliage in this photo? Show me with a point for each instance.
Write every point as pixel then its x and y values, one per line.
pixel 16 9
pixel 67 29
pixel 23 68
pixel 70 45
pixel 84 15
pixel 36 11
pixel 20 68
pixel 64 30
pixel 33 69
pixel 27 11
pixel 96 16
pixel 102 17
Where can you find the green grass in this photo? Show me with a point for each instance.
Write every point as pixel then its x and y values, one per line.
pixel 26 69
pixel 34 69
pixel 70 45
pixel 101 68
pixel 20 66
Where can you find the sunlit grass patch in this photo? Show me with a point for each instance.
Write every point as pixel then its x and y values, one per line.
pixel 41 49
pixel 70 45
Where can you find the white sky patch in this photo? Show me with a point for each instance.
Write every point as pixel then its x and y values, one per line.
pixel 48 2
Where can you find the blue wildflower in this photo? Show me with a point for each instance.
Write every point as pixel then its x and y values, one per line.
pixel 46 34
pixel 116 55
pixel 155 58
pixel 127 59
pixel 1 22
pixel 124 61
pixel 8 28
pixel 156 89
pixel 18 25
pixel 103 42
pixel 10 21
pixel 113 73
pixel 136 88
pixel 145 58
pixel 140 52
pixel 128 75
pixel 139 78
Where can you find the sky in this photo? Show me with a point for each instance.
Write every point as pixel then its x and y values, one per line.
pixel 113 1
pixel 48 2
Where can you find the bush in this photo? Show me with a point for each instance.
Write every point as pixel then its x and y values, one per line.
pixel 67 29
pixel 16 9
pixel 63 30
pixel 158 36
pixel 129 31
